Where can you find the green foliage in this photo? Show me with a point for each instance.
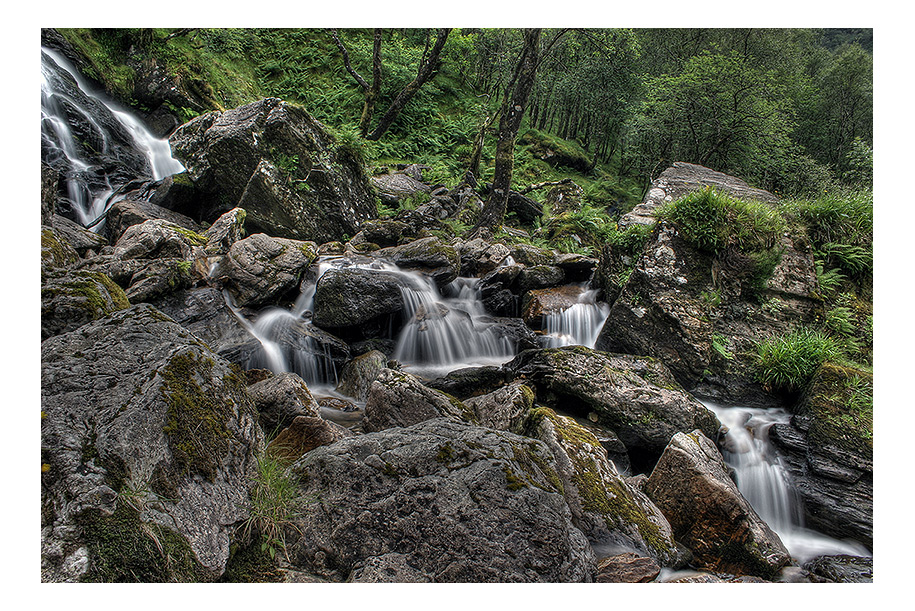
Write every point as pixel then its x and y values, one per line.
pixel 788 362
pixel 275 503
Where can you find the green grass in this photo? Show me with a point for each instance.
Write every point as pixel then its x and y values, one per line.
pixel 275 502
pixel 789 362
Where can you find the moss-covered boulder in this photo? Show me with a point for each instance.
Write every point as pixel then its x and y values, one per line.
pixel 148 444
pixel 73 298
pixel 692 487
pixel 461 503
pixel 260 269
pixel 56 251
pixel 635 397
pixel 281 165
pixel 610 512
pixel 431 256
pixel 828 449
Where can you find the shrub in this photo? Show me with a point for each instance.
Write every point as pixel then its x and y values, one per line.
pixel 789 362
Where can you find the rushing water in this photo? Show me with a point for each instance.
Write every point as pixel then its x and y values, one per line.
pixel 97 146
pixel 579 324
pixel 764 482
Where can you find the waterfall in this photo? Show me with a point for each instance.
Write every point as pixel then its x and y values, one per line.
pixel 765 484
pixel 97 146
pixel 579 324
pixel 443 334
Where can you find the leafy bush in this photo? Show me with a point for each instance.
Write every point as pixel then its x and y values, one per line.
pixel 789 362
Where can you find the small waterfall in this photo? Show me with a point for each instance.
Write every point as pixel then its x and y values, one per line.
pixel 765 484
pixel 443 334
pixel 97 146
pixel 579 324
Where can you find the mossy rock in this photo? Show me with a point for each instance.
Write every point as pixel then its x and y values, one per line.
pixel 72 299
pixel 839 407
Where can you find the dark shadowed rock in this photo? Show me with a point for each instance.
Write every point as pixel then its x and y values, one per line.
pixel 279 164
pixel 840 569
pixel 81 239
pixel 461 503
pixel 304 434
pixel 351 297
pixel 691 485
pixel 146 436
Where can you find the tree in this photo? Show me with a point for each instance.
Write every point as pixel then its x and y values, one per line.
pixel 428 66
pixel 514 103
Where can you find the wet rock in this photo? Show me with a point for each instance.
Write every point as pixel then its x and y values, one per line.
pixel 627 568
pixel 485 498
pixel 430 256
pixel 225 232
pixel 50 179
pixel 359 302
pixel 129 212
pixel 260 269
pixel 537 303
pixel 539 276
pixel 144 430
pixel 357 375
pixel 279 164
pixel 469 382
pixel 635 397
pixel 691 485
pixel 529 255
pixel 397 398
pixel 840 569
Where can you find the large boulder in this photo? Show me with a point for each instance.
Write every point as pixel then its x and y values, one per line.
pixel 828 450
pixel 707 513
pixel 460 503
pixel 149 445
pixel 480 257
pixel 681 178
pixel 505 409
pixel 129 212
pixel 431 256
pixel 357 375
pixel 280 399
pixel 635 397
pixel 279 164
pixel 260 269
pixel 358 302
pixel 158 238
pixel 610 512
pixel 73 298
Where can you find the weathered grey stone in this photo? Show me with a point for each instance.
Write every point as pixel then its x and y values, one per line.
pixel 691 485
pixel 840 569
pixel 353 297
pixel 357 375
pixel 505 409
pixel 261 269
pixel 144 429
pixel 157 238
pixel 431 256
pixel 225 231
pixel 81 239
pixel 627 568
pixel 280 399
pixel 129 212
pixel 397 398
pixel 479 257
pixel 56 251
pixel 462 504
pixel 73 298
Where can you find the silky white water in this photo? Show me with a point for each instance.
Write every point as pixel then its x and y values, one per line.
pixel 766 485
pixel 579 324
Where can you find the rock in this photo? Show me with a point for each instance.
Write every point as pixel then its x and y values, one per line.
pixel 469 382
pixel 576 267
pixel 279 164
pixel 261 270
pixel 81 239
pixel 388 568
pixel 158 278
pixel 505 409
pixel 225 232
pixel 539 276
pixel 627 568
pixel 50 178
pixel 280 399
pixel 383 232
pixel 537 303
pixel 479 257
pixel 691 485
pixel 126 213
pixel 610 512
pixel 840 569
pixel 635 397
pixel 56 251
pixel 157 238
pixel 529 255
pixel 358 302
pixel 487 499
pixel 519 335
pixel 682 178
pixel 357 375
pixel 400 184
pixel 430 256
pixel 528 210
pixel 73 298
pixel 149 443
pixel 397 398
pixel 828 451
pixel 496 291
pixel 304 434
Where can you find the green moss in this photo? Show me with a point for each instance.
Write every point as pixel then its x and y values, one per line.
pixel 445 453
pixel 196 419
pixel 513 482
pixel 85 288
pixel 123 548
pixel 192 236
pixel 840 402
pixel 249 564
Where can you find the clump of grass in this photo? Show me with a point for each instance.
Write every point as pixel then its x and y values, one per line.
pixel 789 362
pixel 275 503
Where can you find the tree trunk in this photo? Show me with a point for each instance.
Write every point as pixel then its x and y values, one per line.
pixel 513 107
pixel 427 69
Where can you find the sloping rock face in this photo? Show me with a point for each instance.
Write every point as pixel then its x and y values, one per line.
pixel 148 449
pixel 828 450
pixel 460 503
pixel 707 513
pixel 279 164
pixel 681 178
pixel 635 397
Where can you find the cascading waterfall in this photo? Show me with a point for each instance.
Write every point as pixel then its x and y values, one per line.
pixel 579 324
pixel 765 484
pixel 97 146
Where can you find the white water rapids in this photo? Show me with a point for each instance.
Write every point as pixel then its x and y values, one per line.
pixel 766 485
